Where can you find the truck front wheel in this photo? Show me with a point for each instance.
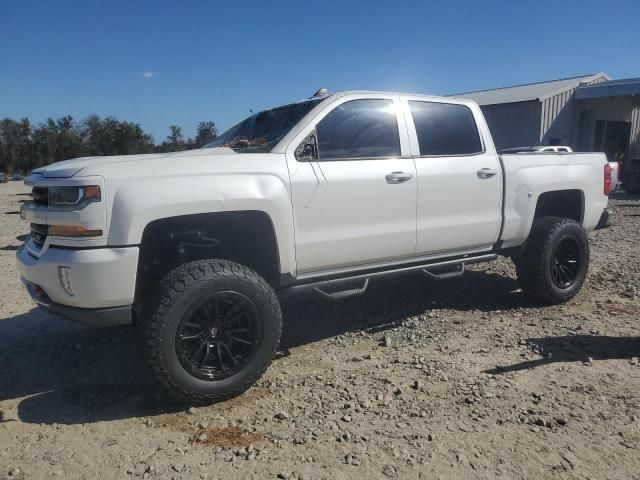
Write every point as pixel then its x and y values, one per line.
pixel 210 330
pixel 554 263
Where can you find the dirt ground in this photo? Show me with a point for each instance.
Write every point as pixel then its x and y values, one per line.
pixel 454 379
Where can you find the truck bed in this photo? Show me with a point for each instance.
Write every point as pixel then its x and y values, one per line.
pixel 526 173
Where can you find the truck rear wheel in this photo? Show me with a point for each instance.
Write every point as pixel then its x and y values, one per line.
pixel 554 263
pixel 210 330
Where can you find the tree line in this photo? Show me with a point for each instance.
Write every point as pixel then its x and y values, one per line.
pixel 24 146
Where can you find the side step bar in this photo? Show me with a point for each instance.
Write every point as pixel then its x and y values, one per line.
pixel 342 293
pixel 344 287
pixel 457 272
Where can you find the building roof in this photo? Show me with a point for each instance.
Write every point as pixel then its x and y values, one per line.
pixel 529 91
pixel 612 88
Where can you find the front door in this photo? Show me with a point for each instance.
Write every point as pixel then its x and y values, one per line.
pixel 459 178
pixel 355 204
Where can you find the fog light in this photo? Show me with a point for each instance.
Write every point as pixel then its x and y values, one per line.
pixel 37 293
pixel 64 274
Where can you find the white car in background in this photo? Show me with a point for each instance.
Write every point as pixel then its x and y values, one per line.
pixel 538 148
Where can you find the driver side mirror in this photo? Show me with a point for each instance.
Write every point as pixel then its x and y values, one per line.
pixel 307 151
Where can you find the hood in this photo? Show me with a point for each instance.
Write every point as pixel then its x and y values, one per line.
pixel 69 168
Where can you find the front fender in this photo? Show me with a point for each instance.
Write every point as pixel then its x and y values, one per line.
pixel 136 204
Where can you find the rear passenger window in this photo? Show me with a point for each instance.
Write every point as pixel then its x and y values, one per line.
pixel 365 128
pixel 445 129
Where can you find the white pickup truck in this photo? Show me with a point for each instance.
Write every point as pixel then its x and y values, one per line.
pixel 323 195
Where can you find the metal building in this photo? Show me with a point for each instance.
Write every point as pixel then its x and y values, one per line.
pixel 588 113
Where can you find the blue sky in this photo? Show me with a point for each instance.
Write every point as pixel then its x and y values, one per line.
pixel 208 60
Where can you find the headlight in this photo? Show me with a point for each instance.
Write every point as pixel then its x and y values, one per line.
pixel 73 198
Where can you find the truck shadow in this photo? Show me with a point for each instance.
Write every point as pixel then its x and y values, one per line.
pixel 69 373
pixel 575 348
pixel 73 374
pixel 387 303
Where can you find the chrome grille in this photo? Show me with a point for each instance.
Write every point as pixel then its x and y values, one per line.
pixel 40 195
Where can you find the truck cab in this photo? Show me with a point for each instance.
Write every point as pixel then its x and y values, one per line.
pixel 372 191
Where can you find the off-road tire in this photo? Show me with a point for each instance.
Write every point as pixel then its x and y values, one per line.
pixel 173 297
pixel 534 267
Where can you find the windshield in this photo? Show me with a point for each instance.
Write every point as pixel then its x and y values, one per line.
pixel 261 132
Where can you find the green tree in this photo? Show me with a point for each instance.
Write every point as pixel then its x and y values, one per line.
pixel 60 139
pixel 24 147
pixel 206 132
pixel 175 141
pixel 113 137
pixel 16 146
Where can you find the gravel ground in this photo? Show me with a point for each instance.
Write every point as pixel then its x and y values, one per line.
pixel 462 378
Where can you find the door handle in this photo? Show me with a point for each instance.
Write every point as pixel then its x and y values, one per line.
pixel 398 177
pixel 485 173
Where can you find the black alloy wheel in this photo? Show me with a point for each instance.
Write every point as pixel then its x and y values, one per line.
pixel 565 263
pixel 218 336
pixel 209 330
pixel 553 265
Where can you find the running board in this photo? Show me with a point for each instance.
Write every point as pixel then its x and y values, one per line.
pixel 457 272
pixel 334 288
pixel 341 293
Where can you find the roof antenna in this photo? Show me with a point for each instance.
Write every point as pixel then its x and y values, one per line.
pixel 320 93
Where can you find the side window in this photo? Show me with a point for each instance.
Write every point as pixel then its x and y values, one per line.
pixel 445 129
pixel 366 128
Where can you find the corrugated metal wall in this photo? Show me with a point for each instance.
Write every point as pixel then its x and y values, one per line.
pixel 514 124
pixel 611 109
pixel 634 147
pixel 558 116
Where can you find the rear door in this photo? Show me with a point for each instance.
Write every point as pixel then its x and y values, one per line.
pixel 459 177
pixel 355 204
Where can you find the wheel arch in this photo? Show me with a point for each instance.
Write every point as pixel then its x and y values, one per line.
pixel 568 203
pixel 247 237
pixel 562 203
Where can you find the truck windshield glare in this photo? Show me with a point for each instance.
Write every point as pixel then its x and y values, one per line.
pixel 261 132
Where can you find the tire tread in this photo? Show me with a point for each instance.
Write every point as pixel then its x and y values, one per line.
pixel 175 284
pixel 531 267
